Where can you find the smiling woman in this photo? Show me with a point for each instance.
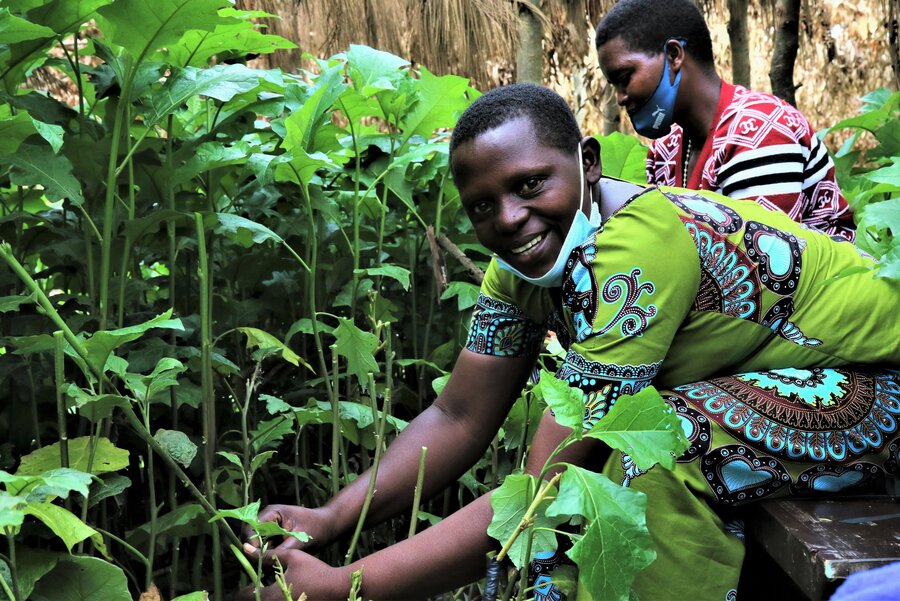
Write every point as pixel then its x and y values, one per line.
pixel 662 286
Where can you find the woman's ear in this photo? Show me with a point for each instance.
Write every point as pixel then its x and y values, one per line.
pixel 590 159
pixel 675 54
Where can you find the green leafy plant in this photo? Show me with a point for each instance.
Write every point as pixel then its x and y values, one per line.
pixel 868 169
pixel 613 544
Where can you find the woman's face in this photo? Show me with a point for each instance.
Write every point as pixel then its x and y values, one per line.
pixel 634 74
pixel 520 195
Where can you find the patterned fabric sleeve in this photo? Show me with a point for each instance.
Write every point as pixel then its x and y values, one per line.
pixel 500 326
pixel 627 295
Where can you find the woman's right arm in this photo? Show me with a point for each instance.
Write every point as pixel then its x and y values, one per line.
pixel 456 428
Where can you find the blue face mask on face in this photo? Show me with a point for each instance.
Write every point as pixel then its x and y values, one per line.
pixel 654 118
pixel 581 228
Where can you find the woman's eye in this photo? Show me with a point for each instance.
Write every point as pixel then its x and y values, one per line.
pixel 480 208
pixel 531 186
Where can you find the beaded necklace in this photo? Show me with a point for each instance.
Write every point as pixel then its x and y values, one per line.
pixel 685 163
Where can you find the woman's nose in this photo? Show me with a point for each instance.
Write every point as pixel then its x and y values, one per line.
pixel 621 97
pixel 512 215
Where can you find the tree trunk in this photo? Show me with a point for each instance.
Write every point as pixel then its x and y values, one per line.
pixel 530 55
pixel 784 55
pixel 893 27
pixel 740 42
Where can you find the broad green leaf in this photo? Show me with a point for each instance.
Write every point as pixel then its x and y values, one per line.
pixel 212 155
pixel 510 502
pixel 373 70
pixel 592 495
pixel 144 26
pixel 12 303
pixel 269 345
pixel 889 263
pixel 566 402
pixel 59 482
pixel 14 129
pixel 60 16
pixel 82 578
pixel 94 406
pixel 244 231
pixel 644 427
pixel 359 349
pixel 243 36
pixel 623 157
pixel 882 215
pixel 302 124
pixel 437 384
pixel 609 555
pixel 15 29
pixel 62 522
pixel 11 510
pixel 177 445
pixel 53 134
pixel 37 165
pixel 466 294
pixel 259 460
pixel 198 596
pixel 107 458
pixel 164 376
pixel 222 82
pixel 358 413
pixel 31 566
pixel 249 515
pixel 189 519
pixel 305 326
pixel 232 458
pixel 111 485
pixel 271 431
pixel 440 102
pixel 102 343
pixel 887 175
pixel 274 405
pixel 401 274
pixel 246 514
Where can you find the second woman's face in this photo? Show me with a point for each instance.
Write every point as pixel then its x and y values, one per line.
pixel 634 74
pixel 520 195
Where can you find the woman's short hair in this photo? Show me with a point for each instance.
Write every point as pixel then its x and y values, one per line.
pixel 549 114
pixel 646 25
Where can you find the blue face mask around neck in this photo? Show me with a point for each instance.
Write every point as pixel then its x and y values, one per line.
pixel 581 228
pixel 654 118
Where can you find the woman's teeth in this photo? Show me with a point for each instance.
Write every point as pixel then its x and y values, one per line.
pixel 528 246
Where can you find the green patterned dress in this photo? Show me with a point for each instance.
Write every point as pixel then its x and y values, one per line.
pixel 684 289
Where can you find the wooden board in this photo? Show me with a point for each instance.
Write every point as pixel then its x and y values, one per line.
pixel 818 542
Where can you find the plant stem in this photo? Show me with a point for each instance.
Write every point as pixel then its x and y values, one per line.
pixel 11 539
pixel 60 378
pixel 109 203
pixel 373 474
pixel 311 290
pixel 128 242
pixel 525 523
pixel 417 497
pixel 35 423
pixel 207 393
pixel 335 427
pixel 151 481
pixel 141 557
pixel 245 438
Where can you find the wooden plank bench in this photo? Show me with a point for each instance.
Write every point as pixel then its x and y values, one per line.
pixel 817 543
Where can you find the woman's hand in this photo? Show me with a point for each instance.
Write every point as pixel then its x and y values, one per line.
pixel 317 523
pixel 303 573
